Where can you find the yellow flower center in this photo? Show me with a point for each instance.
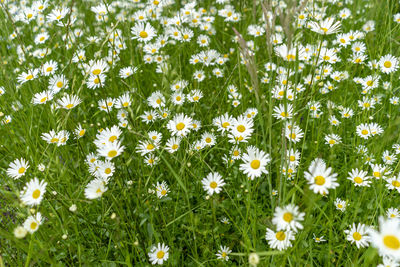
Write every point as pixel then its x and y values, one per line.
pixel 112 153
pixel 143 34
pixel 33 225
pixel 280 235
pixel 391 242
pixel 213 185
pixel 36 194
pixel 180 126
pixel 160 254
pixel 287 217
pixel 81 132
pixel 358 180
pixel 96 72
pixel 377 174
pixel 357 236
pixel 112 138
pixel 396 183
pixel 255 164
pixel 241 128
pixel 43 99
pixel 150 147
pixel 387 64
pixel 21 170
pixel 226 124
pixel 208 140
pixel 29 77
pixel 319 180
pixel 59 84
pixel 175 146
pixel 364 132
pixel 291 57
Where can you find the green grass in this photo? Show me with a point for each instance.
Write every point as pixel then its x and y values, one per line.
pixel 185 220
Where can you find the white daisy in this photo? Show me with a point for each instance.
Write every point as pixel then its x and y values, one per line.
pixel 213 183
pixel 320 177
pixel 159 254
pixel 254 162
pixel 17 168
pixel 33 192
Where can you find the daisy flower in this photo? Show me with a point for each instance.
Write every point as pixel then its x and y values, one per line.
pixel 173 144
pixel 363 131
pixel 98 67
pixel 180 125
pixel 358 234
pixel 159 254
pixel 254 162
pixel 392 213
pixel 42 97
pixel 387 238
pixel 340 204
pixel 143 32
pixel 32 223
pixel 223 253
pixel 318 239
pixel 224 122
pixel 325 27
pixel 213 183
pixel 161 189
pixel 288 218
pixel 33 192
pixel 294 134
pixel 393 183
pixel 111 150
pixel 27 76
pixel 332 139
pixel 95 188
pixel 96 81
pixel 17 168
pixel 282 112
pixel 388 63
pixel 127 72
pixel 388 262
pixel 320 177
pixel 359 177
pixel 280 240
pixel 69 101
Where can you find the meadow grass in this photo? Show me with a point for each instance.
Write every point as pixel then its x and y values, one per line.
pixel 120 225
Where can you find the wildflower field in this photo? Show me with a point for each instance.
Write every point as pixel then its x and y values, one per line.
pixel 199 133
